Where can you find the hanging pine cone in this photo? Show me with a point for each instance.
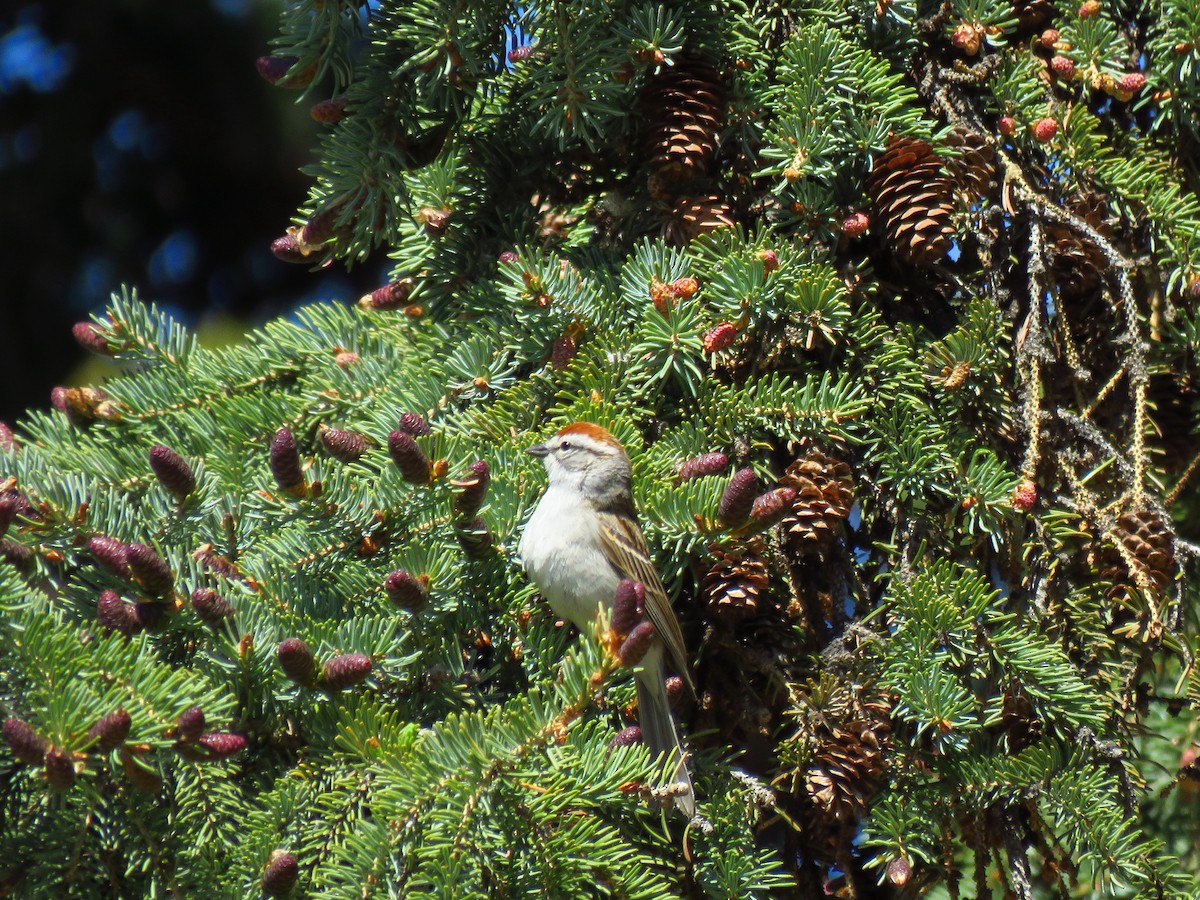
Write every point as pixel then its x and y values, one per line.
pixel 913 201
pixel 847 765
pixel 1149 541
pixel 683 107
pixel 691 217
pixel 734 584
pixel 824 495
pixel 1078 265
pixel 974 172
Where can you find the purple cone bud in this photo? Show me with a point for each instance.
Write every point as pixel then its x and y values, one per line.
pixel 414 424
pixel 110 731
pixel 409 458
pixel 634 647
pixel 629 606
pixel 145 780
pixel 16 554
pixel 287 249
pixel 406 591
pixel 344 445
pixel 26 744
pixel 472 490
pixel 114 614
pixel 475 538
pixel 190 724
pixel 149 569
pixel 390 296
pixel 222 744
pixel 345 671
pixel 172 471
pixel 60 769
pixel 285 462
pixel 296 659
pixel 771 507
pixel 316 231
pixel 738 499
pixel 149 615
pixel 704 464
pixel 110 553
pixel 626 737
pixel 678 695
pixel 210 606
pixel 8 510
pixel 89 337
pixel 58 398
pixel 280 874
pixel 274 69
pixel 899 870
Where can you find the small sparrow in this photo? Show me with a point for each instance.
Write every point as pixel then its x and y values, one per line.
pixel 582 539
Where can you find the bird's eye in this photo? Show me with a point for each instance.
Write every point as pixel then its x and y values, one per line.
pixel 565 445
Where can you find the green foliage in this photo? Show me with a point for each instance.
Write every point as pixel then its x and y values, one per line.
pixel 956 662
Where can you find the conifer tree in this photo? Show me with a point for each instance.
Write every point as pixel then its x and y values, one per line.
pixel 893 304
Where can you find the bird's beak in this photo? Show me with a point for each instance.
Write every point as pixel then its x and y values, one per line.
pixel 538 450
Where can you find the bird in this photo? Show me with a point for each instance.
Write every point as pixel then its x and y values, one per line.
pixel 581 541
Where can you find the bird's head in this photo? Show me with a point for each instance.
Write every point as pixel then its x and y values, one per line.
pixel 587 457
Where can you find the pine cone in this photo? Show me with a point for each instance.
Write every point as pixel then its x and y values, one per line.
pixel 691 217
pixel 913 201
pixel 60 769
pixel 847 765
pixel 683 107
pixel 26 744
pixel 280 874
pixel 824 495
pixel 149 569
pixel 974 172
pixel 172 471
pixel 345 671
pixel 1078 265
pixel 210 606
pixel 734 584
pixel 1149 540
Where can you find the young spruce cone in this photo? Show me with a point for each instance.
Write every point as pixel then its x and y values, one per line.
pixel 472 490
pixel 345 671
pixel 26 744
pixel 221 744
pixel 635 646
pixel 285 463
pixel 346 446
pixel 149 569
pixel 114 614
pixel 406 591
pixel 110 553
pixel 211 607
pixel 110 731
pixel 410 459
pixel 414 424
pixel 629 606
pixel 190 724
pixel 280 874
pixel 60 769
pixel 704 464
pixel 738 499
pixel 172 471
pixel 296 659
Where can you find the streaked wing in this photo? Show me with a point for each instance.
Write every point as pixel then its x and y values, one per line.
pixel 626 547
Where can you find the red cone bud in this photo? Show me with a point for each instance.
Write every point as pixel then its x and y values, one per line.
pixel 328 111
pixel 390 296
pixel 738 499
pixel 629 606
pixel 472 490
pixel 58 398
pixel 210 606
pixel 89 337
pixel 172 471
pixel 149 615
pixel 563 352
pixel 146 780
pixel 1131 82
pixel 345 671
pixel 287 249
pixel 8 443
pixel 190 724
pixel 720 337
pixel 114 614
pixel 110 553
pixel 274 70
pixel 296 659
pixel 1063 67
pixel 26 744
pixel 626 737
pixel 111 730
pixel 475 538
pixel 60 769
pixel 405 591
pixel 634 647
pixel 409 458
pixel 149 569
pixel 280 874
pixel 1089 8
pixel 770 260
pixel 414 424
pixel 520 54
pixel 1025 496
pixel 221 744
pixel 344 445
pixel 285 463
pixel 1007 125
pixel 899 870
pixel 704 464
pixel 1049 38
pixel 855 225
pixel 1045 129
